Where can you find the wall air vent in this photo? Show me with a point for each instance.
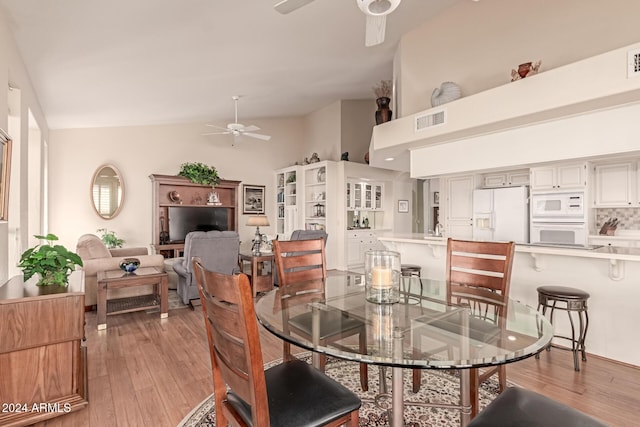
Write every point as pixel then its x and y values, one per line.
pixel 633 63
pixel 426 121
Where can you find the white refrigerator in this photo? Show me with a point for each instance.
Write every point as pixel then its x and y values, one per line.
pixel 501 214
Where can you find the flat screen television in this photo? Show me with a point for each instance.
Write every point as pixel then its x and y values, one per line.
pixel 182 220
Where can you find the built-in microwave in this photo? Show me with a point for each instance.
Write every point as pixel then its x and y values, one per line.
pixel 559 233
pixel 558 207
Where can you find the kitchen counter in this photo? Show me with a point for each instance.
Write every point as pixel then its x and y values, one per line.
pixel 614 254
pixel 609 274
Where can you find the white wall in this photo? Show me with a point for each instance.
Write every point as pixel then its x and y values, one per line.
pixel 357 119
pixel 322 133
pixel 140 151
pixel 477 44
pixel 13 73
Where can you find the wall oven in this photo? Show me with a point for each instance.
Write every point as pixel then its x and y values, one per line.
pixel 559 219
pixel 559 233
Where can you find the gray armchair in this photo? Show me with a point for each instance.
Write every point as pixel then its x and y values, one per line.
pixel 218 251
pixel 309 234
pixel 303 235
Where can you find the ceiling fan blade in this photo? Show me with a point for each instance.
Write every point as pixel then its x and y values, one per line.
pixel 375 29
pixel 257 135
pixel 216 126
pixel 250 128
pixel 216 133
pixel 287 6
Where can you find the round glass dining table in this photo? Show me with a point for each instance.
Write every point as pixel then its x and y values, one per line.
pixel 423 330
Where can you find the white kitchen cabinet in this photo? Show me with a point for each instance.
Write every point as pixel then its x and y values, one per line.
pixel 615 185
pixel 507 179
pixel 364 196
pixel 561 177
pixel 359 242
pixel 459 207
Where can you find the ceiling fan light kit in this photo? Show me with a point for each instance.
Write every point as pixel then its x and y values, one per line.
pixel 375 10
pixel 378 7
pixel 238 129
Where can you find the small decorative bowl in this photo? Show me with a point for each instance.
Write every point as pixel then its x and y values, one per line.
pixel 129 265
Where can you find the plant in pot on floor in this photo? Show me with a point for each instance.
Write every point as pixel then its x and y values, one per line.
pixel 200 173
pixel 110 239
pixel 53 263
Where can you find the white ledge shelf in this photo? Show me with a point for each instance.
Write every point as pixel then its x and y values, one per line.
pixel 592 84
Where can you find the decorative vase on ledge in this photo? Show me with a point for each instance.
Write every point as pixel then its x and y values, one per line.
pixel 383 114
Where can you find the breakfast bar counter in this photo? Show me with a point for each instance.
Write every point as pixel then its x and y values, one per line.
pixel 609 274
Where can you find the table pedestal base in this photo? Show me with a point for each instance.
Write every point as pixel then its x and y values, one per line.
pixel 395 411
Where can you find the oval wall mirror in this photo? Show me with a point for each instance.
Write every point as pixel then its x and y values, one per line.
pixel 107 191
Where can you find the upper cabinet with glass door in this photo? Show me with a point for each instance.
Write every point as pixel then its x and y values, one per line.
pixel 107 191
pixel 364 196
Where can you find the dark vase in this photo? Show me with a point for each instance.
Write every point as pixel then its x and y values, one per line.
pixel 384 113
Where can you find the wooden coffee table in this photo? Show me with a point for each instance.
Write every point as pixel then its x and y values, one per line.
pixel 115 279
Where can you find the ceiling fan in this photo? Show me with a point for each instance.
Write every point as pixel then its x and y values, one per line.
pixel 376 11
pixel 238 129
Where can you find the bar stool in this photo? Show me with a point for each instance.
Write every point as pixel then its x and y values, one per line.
pixel 410 270
pixel 575 300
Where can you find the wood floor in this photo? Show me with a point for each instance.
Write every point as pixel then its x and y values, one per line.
pixel 144 371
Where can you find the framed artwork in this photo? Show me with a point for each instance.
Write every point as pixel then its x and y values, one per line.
pixel 5 172
pixel 403 206
pixel 436 197
pixel 253 199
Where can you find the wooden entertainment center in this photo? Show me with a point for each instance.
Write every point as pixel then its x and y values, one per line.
pixel 177 191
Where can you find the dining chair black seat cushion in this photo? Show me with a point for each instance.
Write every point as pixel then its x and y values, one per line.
pixel 479 329
pixel 332 322
pixel 300 395
pixel 517 407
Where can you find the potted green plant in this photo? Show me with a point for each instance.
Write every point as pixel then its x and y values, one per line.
pixel 110 239
pixel 54 263
pixel 200 173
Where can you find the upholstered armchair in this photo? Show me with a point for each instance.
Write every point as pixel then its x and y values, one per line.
pixel 218 251
pixel 303 235
pixel 97 257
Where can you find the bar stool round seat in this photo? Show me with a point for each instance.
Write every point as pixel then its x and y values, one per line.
pixel 410 270
pixel 572 300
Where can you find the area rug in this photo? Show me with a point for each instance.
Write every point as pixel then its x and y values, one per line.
pixel 437 386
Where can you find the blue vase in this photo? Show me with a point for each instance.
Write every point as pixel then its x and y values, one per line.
pixel 129 265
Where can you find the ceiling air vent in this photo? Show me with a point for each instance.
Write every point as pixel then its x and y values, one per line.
pixel 426 121
pixel 633 63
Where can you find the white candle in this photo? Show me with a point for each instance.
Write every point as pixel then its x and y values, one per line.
pixel 381 278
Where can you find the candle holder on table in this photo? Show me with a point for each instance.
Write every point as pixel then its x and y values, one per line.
pixel 382 276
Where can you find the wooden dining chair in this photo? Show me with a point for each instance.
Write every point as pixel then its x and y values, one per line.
pixel 303 261
pixel 478 276
pixel 292 393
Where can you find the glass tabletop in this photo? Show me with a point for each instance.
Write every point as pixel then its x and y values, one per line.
pixel 423 330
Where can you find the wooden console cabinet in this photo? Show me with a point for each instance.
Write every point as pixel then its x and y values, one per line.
pixel 172 190
pixel 43 364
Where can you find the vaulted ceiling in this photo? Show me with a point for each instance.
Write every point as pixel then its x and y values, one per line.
pixel 97 63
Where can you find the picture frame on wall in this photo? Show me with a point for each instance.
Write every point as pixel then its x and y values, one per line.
pixel 253 199
pixel 436 197
pixel 403 206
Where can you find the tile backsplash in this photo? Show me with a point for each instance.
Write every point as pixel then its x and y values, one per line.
pixel 629 217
